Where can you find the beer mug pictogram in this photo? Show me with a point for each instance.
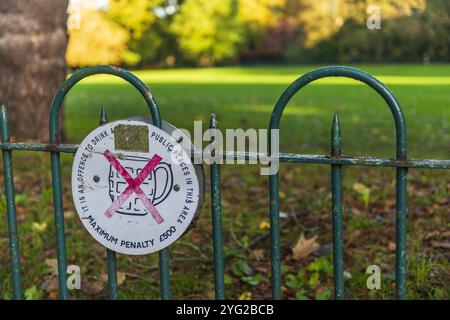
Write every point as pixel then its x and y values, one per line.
pixel 157 186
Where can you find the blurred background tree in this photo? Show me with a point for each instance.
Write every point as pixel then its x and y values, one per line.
pixel 137 17
pixel 259 17
pixel 96 40
pixel 208 31
pixel 32 45
pixel 167 33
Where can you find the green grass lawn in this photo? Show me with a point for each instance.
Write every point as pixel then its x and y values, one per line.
pixel 244 98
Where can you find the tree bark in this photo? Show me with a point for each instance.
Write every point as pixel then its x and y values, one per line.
pixel 33 38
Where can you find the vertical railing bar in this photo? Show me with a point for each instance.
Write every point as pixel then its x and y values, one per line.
pixel 55 160
pixel 216 208
pixel 164 273
pixel 59 224
pixel 164 260
pixel 400 223
pixel 110 255
pixel 274 194
pixel 275 233
pixel 112 274
pixel 11 209
pixel 336 196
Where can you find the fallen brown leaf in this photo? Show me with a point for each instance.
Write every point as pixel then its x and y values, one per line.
pixel 121 276
pixel 20 211
pixel 391 246
pixel 304 247
pixel 431 235
pixel 53 265
pixel 445 245
pixel 53 295
pixel 258 253
pixel 198 238
pixel 352 237
pixel 94 287
pixel 68 214
pixel 50 284
pixel 104 277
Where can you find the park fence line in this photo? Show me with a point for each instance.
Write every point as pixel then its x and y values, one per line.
pixel 335 159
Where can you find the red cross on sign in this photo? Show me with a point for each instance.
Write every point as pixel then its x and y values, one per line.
pixel 133 185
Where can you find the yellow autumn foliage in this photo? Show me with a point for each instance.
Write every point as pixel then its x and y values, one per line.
pixel 95 39
pixel 133 15
pixel 319 20
pixel 260 12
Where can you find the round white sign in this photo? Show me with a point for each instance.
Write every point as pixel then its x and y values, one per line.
pixel 135 189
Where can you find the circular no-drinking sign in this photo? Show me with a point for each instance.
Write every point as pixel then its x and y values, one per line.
pixel 135 188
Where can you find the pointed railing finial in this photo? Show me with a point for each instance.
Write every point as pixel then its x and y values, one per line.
pixel 4 124
pixel 103 116
pixel 213 121
pixel 336 137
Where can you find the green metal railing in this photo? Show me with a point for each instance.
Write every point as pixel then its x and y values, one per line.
pixel 335 160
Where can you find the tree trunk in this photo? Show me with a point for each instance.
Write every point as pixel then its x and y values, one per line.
pixel 33 37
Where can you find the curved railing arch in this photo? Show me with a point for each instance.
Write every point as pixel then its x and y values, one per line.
pixel 352 73
pixel 90 71
pixel 56 176
pixel 401 206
